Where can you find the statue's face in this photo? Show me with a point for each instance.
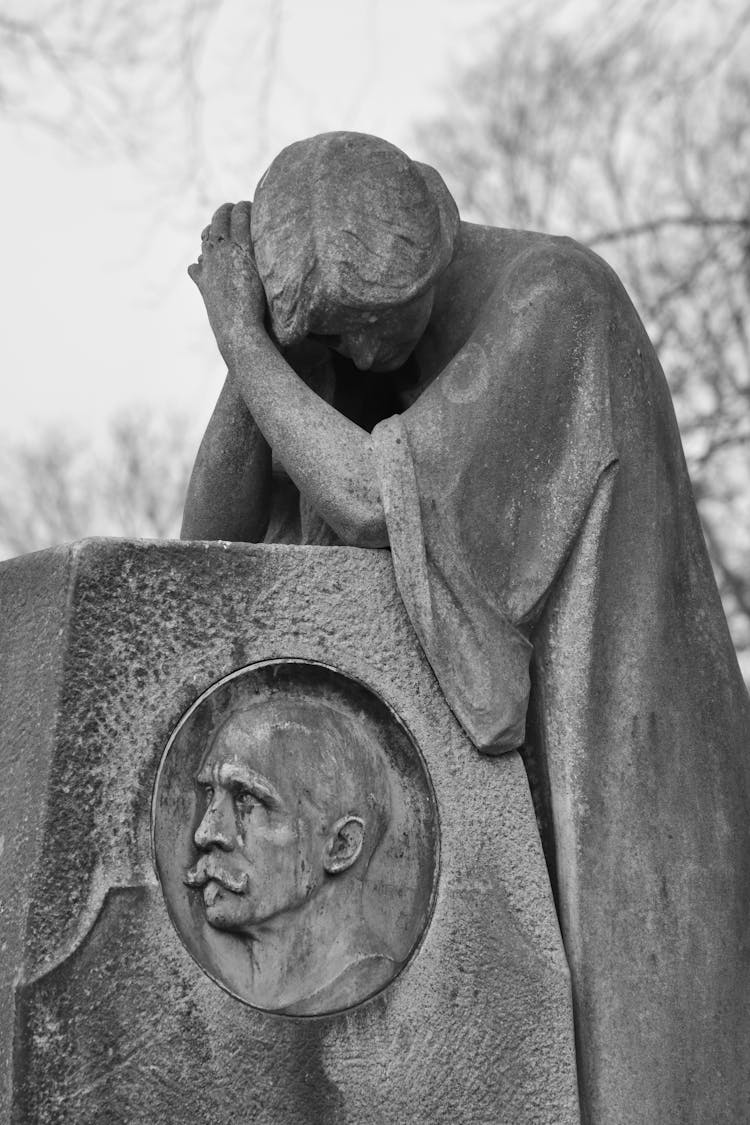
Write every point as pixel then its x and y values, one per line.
pixel 261 838
pixel 377 341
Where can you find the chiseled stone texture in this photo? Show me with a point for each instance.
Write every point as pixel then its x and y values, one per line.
pixel 105 1017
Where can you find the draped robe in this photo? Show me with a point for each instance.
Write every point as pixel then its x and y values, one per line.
pixel 547 549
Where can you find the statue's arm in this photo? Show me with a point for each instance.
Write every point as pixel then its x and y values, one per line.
pixel 328 457
pixel 230 487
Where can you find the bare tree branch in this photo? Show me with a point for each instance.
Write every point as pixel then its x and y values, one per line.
pixel 60 488
pixel 650 226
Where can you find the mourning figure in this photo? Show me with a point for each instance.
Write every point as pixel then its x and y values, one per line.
pixel 295 803
pixel 486 404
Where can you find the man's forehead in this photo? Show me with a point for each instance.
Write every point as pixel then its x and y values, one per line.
pixel 260 743
pixel 249 733
pixel 223 768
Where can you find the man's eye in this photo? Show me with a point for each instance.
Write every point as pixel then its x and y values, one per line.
pixel 209 793
pixel 246 799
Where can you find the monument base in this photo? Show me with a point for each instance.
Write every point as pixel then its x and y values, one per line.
pixel 105 1014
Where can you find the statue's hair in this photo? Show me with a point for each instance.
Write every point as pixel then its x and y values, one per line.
pixel 339 763
pixel 346 222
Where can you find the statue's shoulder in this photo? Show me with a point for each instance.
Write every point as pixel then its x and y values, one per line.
pixel 559 267
pixel 527 264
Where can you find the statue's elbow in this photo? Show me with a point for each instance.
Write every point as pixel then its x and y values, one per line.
pixel 366 529
pixel 374 536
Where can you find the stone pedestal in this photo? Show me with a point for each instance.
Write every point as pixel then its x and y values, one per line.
pixel 105 1015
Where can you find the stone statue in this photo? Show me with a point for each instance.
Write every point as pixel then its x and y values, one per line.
pixel 486 404
pixel 296 803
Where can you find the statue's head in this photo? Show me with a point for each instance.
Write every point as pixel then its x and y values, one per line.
pixel 350 237
pixel 295 799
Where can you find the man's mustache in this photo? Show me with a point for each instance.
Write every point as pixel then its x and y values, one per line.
pixel 208 869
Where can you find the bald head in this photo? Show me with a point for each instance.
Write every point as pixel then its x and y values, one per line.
pixel 314 755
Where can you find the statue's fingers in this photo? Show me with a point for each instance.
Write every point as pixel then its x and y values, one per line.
pixel 240 225
pixel 220 222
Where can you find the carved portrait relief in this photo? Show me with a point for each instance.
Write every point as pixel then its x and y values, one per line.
pixel 295 838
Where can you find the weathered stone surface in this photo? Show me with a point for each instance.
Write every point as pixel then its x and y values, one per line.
pixel 33 593
pixel 516 448
pixel 105 1016
pixel 296 837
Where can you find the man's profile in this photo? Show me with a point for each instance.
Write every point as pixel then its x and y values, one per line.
pixel 295 803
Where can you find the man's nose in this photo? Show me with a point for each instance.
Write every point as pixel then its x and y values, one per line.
pixel 216 830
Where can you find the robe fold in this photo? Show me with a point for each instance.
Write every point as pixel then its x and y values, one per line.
pixel 486 480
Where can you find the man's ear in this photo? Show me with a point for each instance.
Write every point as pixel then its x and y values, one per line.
pixel 344 844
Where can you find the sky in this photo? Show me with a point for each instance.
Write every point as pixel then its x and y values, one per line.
pixel 99 315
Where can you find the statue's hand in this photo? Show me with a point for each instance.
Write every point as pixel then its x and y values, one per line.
pixel 227 277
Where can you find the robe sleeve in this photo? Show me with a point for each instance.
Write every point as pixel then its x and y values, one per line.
pixel 486 480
